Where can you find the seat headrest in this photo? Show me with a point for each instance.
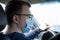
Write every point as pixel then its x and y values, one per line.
pixel 3 19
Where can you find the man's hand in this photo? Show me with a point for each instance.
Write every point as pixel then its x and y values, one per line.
pixel 44 27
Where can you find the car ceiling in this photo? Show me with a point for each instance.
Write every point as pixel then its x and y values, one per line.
pixel 31 1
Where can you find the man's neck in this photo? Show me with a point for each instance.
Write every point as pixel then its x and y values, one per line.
pixel 12 29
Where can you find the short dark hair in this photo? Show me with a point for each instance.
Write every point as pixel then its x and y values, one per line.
pixel 13 7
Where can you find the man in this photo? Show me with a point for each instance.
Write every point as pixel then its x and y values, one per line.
pixel 18 17
pixel 17 13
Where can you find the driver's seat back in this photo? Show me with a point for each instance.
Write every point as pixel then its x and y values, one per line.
pixel 3 22
pixel 3 19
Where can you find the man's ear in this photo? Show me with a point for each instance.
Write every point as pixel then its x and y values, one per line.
pixel 15 19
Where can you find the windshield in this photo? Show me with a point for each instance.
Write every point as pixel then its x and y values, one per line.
pixel 47 13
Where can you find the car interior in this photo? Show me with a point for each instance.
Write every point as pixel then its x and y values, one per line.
pixel 48 35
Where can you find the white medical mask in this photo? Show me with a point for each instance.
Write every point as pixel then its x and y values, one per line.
pixel 29 25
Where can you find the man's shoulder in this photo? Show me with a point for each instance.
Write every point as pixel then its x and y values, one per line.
pixel 17 36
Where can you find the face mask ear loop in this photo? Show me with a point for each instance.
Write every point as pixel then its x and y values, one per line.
pixel 19 26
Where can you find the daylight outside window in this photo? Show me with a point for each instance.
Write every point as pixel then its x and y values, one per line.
pixel 47 13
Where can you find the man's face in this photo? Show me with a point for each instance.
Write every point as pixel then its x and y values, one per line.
pixel 22 19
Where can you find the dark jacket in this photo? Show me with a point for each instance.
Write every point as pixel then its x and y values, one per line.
pixel 17 36
pixel 20 36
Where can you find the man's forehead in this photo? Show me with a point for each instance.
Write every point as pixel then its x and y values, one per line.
pixel 25 6
pixel 25 9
